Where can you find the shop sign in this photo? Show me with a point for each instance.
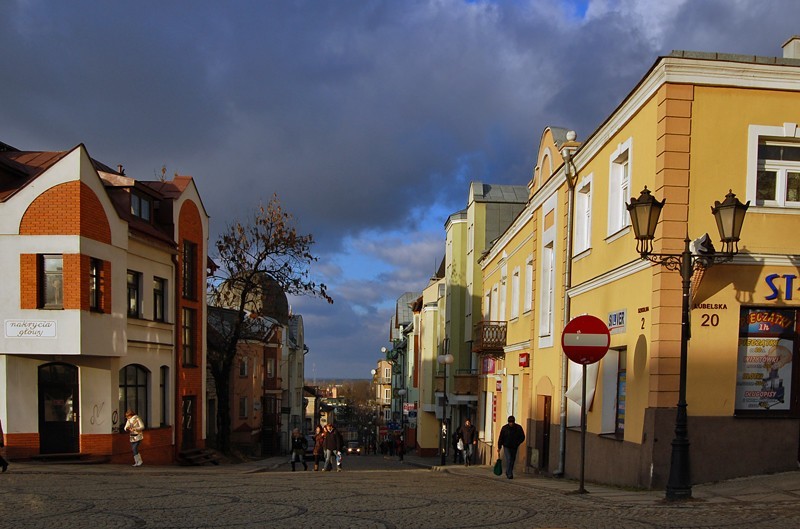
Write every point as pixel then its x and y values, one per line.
pixel 498 386
pixel 616 321
pixel 487 365
pixel 764 369
pixel 30 328
pixel 524 359
pixel 776 281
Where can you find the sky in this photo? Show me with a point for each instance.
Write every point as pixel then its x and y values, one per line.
pixel 368 119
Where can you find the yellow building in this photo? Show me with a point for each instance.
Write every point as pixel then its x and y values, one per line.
pixel 696 126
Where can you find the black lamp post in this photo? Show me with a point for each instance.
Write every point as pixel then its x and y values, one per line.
pixel 445 360
pixel 729 215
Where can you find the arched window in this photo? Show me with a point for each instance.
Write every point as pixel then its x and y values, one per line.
pixel 133 392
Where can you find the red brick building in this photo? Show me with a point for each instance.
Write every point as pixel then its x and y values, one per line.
pixel 103 308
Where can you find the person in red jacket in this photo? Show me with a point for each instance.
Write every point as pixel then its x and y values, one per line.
pixel 511 436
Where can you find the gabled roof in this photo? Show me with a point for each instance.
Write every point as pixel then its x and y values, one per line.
pixel 18 169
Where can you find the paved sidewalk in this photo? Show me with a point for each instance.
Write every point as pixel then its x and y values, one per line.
pixel 770 488
pixel 782 487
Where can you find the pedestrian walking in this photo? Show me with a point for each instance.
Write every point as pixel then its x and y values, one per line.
pixel 332 445
pixel 469 440
pixel 400 446
pixel 134 426
pixel 299 446
pixel 3 460
pixel 457 444
pixel 511 436
pixel 319 436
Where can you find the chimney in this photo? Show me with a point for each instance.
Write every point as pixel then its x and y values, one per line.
pixel 120 169
pixel 791 48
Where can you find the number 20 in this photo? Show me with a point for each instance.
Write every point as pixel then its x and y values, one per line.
pixel 710 320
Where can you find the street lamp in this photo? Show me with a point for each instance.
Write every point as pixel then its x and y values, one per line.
pixel 444 360
pixel 729 214
pixel 402 393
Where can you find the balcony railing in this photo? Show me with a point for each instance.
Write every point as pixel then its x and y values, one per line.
pixel 489 337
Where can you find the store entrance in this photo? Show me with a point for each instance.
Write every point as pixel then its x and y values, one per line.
pixel 58 409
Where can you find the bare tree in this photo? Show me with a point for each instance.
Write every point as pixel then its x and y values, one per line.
pixel 251 256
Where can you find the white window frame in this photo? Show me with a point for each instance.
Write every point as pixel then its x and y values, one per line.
pixel 788 133
pixel 619 186
pixel 583 215
pixel 547 278
pixel 503 294
pixel 494 302
pixel 515 293
pixel 528 303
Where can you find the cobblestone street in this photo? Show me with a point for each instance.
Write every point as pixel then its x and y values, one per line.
pixel 392 495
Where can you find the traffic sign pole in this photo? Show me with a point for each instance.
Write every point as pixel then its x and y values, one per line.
pixel 585 341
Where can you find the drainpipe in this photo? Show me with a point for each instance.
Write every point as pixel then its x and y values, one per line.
pixel 567 150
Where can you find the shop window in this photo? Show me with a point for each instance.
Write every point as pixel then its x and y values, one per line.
pixel 614 386
pixel 133 392
pixel 766 368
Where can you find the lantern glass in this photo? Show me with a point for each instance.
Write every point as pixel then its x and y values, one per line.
pixel 729 215
pixel 644 212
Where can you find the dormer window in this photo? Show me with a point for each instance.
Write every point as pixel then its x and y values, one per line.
pixel 141 206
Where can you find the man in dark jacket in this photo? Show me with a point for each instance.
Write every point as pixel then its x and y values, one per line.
pixel 469 436
pixel 511 436
pixel 332 444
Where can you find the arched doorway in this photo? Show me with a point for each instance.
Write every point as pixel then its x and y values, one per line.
pixel 58 409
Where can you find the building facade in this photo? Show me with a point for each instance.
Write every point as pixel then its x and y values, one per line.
pixel 697 126
pixel 104 308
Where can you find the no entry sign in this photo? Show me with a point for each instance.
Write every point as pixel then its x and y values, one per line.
pixel 585 339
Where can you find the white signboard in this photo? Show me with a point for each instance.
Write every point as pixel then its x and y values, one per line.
pixel 30 329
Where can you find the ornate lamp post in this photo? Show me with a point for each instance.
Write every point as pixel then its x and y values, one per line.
pixel 445 360
pixel 729 214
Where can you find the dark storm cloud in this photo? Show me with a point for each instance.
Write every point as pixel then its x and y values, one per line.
pixel 364 117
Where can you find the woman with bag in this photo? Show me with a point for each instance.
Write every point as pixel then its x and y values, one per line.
pixel 134 426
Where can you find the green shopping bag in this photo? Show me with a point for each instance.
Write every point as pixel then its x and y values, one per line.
pixel 498 467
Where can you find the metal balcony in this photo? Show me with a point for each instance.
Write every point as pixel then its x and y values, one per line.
pixel 489 337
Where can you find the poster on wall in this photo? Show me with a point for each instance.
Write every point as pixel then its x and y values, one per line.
pixel 764 368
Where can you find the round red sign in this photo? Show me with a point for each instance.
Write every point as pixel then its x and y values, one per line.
pixel 585 339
